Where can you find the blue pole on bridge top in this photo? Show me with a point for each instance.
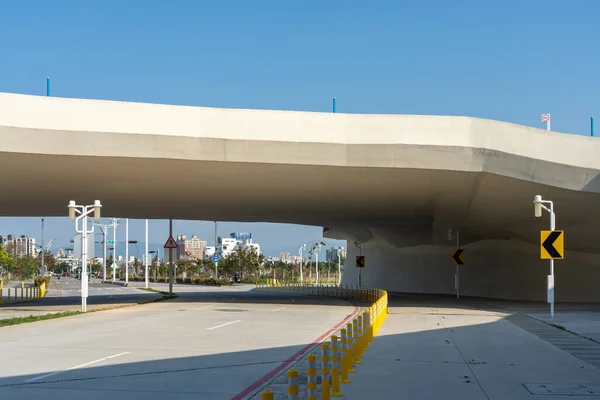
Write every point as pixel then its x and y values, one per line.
pixel 48 86
pixel 334 104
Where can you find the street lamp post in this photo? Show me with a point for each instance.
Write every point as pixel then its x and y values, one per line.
pixel 114 263
pixel 146 257
pixel 340 265
pixel 43 269
pixel 317 250
pixel 538 205
pixel 83 212
pixel 456 276
pixel 126 251
pixel 104 228
pixel 303 247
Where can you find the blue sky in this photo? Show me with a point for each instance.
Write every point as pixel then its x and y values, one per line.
pixel 509 60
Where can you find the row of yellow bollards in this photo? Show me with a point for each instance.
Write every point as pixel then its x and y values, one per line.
pixel 337 358
pixel 26 294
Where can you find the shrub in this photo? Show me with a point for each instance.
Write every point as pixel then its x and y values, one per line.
pixel 38 280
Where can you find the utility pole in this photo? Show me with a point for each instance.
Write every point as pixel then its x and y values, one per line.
pixel 43 269
pixel 146 257
pixel 126 251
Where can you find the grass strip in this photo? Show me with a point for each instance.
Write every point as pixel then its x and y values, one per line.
pixel 165 295
pixel 35 318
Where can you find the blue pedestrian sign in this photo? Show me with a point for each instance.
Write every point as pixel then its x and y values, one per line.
pixel 216 259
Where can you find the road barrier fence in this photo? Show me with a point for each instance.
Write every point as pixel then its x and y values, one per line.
pixel 338 358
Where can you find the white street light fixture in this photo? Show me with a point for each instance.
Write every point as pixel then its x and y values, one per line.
pixel 538 205
pixel 303 247
pixel 83 212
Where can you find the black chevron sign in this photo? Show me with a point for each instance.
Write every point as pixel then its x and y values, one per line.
pixel 552 245
pixel 458 257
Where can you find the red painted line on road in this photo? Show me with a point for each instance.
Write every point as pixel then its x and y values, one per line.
pixel 57 288
pixel 293 358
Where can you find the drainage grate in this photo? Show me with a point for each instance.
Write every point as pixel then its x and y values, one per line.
pixel 569 389
pixel 578 346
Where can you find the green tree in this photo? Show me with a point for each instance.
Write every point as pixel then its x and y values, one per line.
pixel 25 267
pixel 49 261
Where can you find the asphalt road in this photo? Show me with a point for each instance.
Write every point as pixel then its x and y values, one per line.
pixel 65 295
pixel 209 343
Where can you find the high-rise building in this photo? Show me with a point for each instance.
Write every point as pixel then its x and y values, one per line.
pixel 332 254
pixel 19 246
pixel 192 248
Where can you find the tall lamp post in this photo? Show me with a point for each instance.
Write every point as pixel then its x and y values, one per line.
pixel 81 226
pixel 114 263
pixel 104 229
pixel 317 250
pixel 538 205
pixel 456 276
pixel 302 248
pixel 340 265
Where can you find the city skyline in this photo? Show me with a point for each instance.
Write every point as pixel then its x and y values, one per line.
pixel 273 238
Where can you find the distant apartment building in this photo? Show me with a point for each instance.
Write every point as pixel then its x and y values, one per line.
pixel 209 252
pixel 19 246
pixel 192 248
pixel 235 241
pixel 332 254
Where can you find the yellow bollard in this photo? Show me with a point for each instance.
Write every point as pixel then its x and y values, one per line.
pixel 312 377
pixel 292 384
pixel 350 348
pixel 8 297
pixel 335 368
pixel 267 395
pixel 355 338
pixel 325 379
pixel 15 295
pixel 22 294
pixel 344 358
pixel 0 292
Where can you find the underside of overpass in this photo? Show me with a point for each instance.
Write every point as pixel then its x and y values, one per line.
pixel 394 183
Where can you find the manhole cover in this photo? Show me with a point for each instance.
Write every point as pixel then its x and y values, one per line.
pixel 564 389
pixel 229 310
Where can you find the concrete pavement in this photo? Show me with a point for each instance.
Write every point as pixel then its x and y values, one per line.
pixel 442 348
pixel 210 343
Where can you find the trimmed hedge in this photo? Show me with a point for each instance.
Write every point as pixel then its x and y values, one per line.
pixel 38 280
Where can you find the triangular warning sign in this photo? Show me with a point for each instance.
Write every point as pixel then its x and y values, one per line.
pixel 171 243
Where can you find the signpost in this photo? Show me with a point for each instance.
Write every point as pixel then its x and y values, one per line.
pixel 216 261
pixel 546 119
pixel 170 244
pixel 552 244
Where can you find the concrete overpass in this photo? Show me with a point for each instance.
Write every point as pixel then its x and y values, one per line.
pixel 396 183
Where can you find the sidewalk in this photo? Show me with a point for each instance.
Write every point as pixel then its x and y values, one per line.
pixel 465 354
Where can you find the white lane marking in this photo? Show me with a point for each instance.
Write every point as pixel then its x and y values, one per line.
pixel 278 309
pixel 293 301
pixel 202 308
pixel 233 299
pixel 37 378
pixel 222 325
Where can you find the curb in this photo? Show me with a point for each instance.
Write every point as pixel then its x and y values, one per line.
pixel 265 380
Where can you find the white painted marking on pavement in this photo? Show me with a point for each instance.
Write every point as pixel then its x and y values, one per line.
pixel 37 378
pixel 202 308
pixel 293 301
pixel 277 309
pixel 222 325
pixel 233 299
